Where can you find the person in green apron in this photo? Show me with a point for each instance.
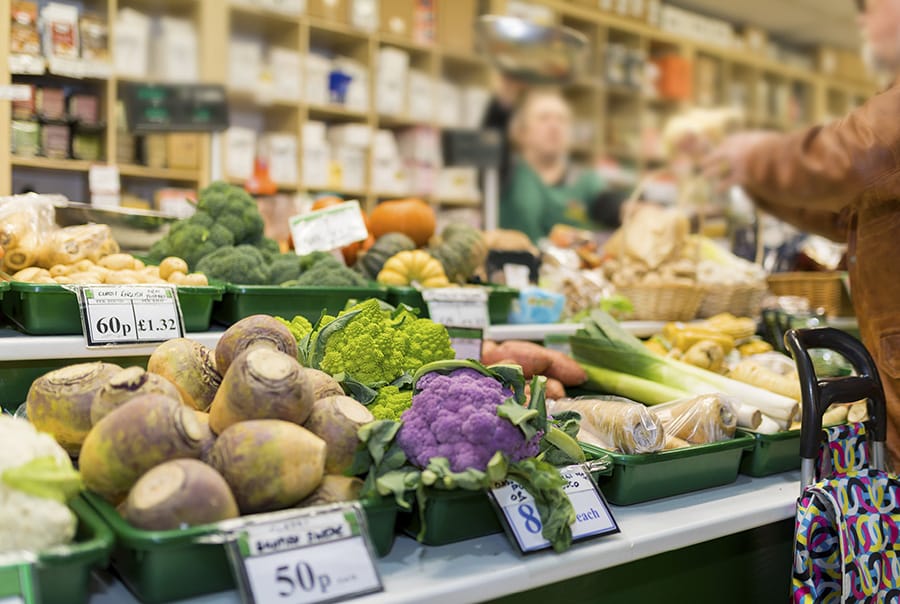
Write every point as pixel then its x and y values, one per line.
pixel 540 189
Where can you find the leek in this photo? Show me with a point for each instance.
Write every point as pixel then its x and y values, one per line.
pixel 632 387
pixel 604 344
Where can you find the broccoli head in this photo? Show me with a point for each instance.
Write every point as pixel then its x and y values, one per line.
pixel 326 274
pixel 192 242
pixel 284 268
pixel 233 208
pixel 242 264
pixel 455 416
pixel 267 246
pixel 390 403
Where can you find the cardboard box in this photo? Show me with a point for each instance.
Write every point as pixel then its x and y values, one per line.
pixel 183 150
pixel 456 24
pixel 329 10
pixel 397 17
pixel 420 97
pixel 675 78
pixel 391 80
pixel 364 14
pixel 155 149
pixel 281 151
pixel 352 163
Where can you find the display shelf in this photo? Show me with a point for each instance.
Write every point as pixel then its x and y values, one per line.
pixel 405 43
pixel 458 202
pixel 337 31
pixel 335 112
pixel 138 171
pixel 258 16
pixel 401 121
pixel 15 346
pixel 486 568
pixel 47 163
pixel 250 98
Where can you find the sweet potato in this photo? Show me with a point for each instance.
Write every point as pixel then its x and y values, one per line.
pixel 555 390
pixel 565 369
pixel 535 360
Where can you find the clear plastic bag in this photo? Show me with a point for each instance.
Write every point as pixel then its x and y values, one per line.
pixel 614 423
pixel 25 220
pixel 73 244
pixel 703 419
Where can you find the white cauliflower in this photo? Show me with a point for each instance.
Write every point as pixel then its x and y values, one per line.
pixel 27 521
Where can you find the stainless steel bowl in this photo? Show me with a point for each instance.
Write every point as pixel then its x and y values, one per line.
pixel 529 52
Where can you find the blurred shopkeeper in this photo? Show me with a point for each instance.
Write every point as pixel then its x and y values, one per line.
pixel 539 189
pixel 842 181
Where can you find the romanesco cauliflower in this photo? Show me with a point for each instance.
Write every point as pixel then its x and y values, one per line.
pixel 390 403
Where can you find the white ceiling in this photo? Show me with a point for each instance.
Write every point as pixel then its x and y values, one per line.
pixel 814 22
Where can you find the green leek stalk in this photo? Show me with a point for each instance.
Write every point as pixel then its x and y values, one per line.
pixel 604 344
pixel 632 387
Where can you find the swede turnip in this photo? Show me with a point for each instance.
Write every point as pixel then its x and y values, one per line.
pixel 336 420
pixel 250 332
pixel 189 365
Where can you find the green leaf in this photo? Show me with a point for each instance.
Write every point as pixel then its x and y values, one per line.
pixel 356 389
pixel 447 479
pixel 317 352
pixel 449 366
pixel 521 417
pixel 538 400
pixel 561 449
pixel 45 477
pixel 512 377
pixel 545 485
pixel 398 483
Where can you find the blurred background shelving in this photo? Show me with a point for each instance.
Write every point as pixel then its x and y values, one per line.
pixel 350 96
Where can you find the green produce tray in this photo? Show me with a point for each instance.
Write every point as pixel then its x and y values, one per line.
pixel 242 301
pixel 48 309
pixel 63 573
pixel 162 566
pixel 452 516
pixel 500 299
pixel 772 454
pixel 639 478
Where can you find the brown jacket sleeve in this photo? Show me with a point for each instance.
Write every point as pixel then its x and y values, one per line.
pixel 823 170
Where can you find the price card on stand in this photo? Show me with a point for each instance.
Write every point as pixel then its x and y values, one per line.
pixel 458 306
pixel 17 585
pixel 129 314
pixel 466 343
pixel 306 556
pixel 328 229
pixel 523 523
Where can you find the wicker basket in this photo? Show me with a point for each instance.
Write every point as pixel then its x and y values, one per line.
pixel 823 290
pixel 740 300
pixel 664 302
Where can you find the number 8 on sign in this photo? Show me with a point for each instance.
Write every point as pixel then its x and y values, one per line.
pixel 532 522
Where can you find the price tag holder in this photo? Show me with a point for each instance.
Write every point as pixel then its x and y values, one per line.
pixel 17 585
pixel 315 555
pixel 466 342
pixel 129 314
pixel 328 229
pixel 519 514
pixel 458 306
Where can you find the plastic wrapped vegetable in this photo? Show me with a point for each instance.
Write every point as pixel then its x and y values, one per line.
pixel 615 423
pixel 707 418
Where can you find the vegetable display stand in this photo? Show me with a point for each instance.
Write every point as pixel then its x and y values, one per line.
pixel 44 309
pixel 500 300
pixel 162 566
pixel 63 573
pixel 16 376
pixel 772 454
pixel 452 516
pixel 241 301
pixel 639 478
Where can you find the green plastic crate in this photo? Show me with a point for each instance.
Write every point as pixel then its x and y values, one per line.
pixel 16 376
pixel 241 301
pixel 639 478
pixel 772 454
pixel 162 566
pixel 48 309
pixel 452 516
pixel 63 573
pixel 500 299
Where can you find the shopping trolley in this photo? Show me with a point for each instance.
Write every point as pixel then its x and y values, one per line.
pixel 848 516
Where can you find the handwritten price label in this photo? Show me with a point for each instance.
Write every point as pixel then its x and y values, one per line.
pixel 458 306
pixel 313 555
pixel 129 314
pixel 328 229
pixel 592 515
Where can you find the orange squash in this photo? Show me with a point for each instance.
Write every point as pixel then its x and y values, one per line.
pixel 412 217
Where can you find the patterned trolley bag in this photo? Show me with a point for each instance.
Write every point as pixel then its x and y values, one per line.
pixel 848 516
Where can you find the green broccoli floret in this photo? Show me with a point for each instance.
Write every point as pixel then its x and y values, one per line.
pixel 330 275
pixel 428 341
pixel 245 223
pixel 300 326
pixel 269 247
pixel 390 403
pixel 242 264
pixel 201 218
pixel 233 208
pixel 284 267
pixel 192 242
pixel 315 258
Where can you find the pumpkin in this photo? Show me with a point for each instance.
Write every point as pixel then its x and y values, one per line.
pixel 412 217
pixel 371 263
pixel 350 252
pixel 416 267
pixel 461 249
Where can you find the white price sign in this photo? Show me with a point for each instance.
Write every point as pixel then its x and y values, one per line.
pixel 458 306
pixel 328 229
pixel 310 556
pixel 129 314
pixel 466 343
pixel 592 515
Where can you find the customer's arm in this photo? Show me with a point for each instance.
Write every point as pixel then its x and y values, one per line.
pixel 822 169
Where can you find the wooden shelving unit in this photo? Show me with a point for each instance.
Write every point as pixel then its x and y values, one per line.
pixel 616 113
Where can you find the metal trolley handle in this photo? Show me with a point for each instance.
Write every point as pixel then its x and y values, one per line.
pixel 819 394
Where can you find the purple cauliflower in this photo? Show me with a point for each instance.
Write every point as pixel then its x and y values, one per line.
pixel 454 416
